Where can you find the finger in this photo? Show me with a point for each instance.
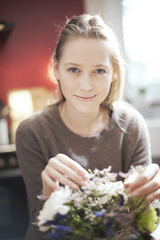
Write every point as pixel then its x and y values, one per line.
pixel 154 195
pixel 48 184
pixel 67 172
pixel 149 187
pixel 63 179
pixel 74 165
pixel 137 180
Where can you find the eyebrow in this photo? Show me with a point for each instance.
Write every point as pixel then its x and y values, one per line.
pixel 102 65
pixel 75 64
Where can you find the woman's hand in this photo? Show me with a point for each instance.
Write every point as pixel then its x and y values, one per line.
pixel 145 183
pixel 62 169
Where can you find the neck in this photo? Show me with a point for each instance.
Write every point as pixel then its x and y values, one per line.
pixel 84 124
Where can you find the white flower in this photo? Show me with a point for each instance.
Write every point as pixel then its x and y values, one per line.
pixel 110 189
pixel 53 205
pixel 95 203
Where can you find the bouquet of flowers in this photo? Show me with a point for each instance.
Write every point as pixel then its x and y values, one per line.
pixel 99 210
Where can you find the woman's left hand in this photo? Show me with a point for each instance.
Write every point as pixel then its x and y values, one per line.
pixel 144 183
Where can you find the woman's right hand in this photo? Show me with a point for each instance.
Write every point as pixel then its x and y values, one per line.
pixel 62 169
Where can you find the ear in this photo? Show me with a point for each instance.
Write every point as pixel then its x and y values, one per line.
pixel 52 72
pixel 114 77
pixel 55 68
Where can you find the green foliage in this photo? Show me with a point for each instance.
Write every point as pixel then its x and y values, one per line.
pixel 99 210
pixel 144 214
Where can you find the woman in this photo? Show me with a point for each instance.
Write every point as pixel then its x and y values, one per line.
pixel 89 127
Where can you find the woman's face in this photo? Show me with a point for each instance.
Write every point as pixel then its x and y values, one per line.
pixel 85 73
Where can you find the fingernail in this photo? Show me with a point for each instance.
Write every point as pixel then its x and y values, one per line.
pixel 128 190
pixel 150 199
pixel 87 176
pixel 74 186
pixel 126 182
pixel 83 182
pixel 134 194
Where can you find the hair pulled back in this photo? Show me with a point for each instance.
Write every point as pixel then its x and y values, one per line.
pixel 88 26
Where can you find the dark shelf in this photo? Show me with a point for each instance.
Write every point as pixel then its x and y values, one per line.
pixel 5 30
pixel 10 173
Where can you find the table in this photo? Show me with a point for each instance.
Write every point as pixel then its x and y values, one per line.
pixel 156 233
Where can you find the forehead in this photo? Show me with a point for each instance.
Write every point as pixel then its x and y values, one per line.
pixel 91 50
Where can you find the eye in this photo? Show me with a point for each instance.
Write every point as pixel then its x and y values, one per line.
pixel 100 71
pixel 73 70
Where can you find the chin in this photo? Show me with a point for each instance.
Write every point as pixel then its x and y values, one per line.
pixel 86 109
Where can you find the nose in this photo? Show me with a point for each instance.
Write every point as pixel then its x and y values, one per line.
pixel 86 82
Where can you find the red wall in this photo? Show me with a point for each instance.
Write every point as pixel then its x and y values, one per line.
pixel 25 54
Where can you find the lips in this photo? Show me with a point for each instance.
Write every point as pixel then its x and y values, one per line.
pixel 85 98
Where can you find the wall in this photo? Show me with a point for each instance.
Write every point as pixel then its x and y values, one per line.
pixel 24 56
pixel 110 11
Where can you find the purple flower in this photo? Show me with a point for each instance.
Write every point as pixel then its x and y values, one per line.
pixel 61 228
pixel 60 232
pixel 99 214
pixel 49 222
pixel 59 217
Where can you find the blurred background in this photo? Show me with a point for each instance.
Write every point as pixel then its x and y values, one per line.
pixel 28 33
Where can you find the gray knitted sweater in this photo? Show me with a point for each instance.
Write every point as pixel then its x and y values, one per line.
pixel 43 135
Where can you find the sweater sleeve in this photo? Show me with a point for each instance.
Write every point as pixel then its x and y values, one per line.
pixel 137 142
pixel 31 163
pixel 142 152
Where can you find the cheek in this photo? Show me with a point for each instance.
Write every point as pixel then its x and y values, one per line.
pixel 63 87
pixel 105 89
pixel 66 86
pixel 105 85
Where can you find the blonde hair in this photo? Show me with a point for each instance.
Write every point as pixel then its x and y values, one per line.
pixel 88 26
